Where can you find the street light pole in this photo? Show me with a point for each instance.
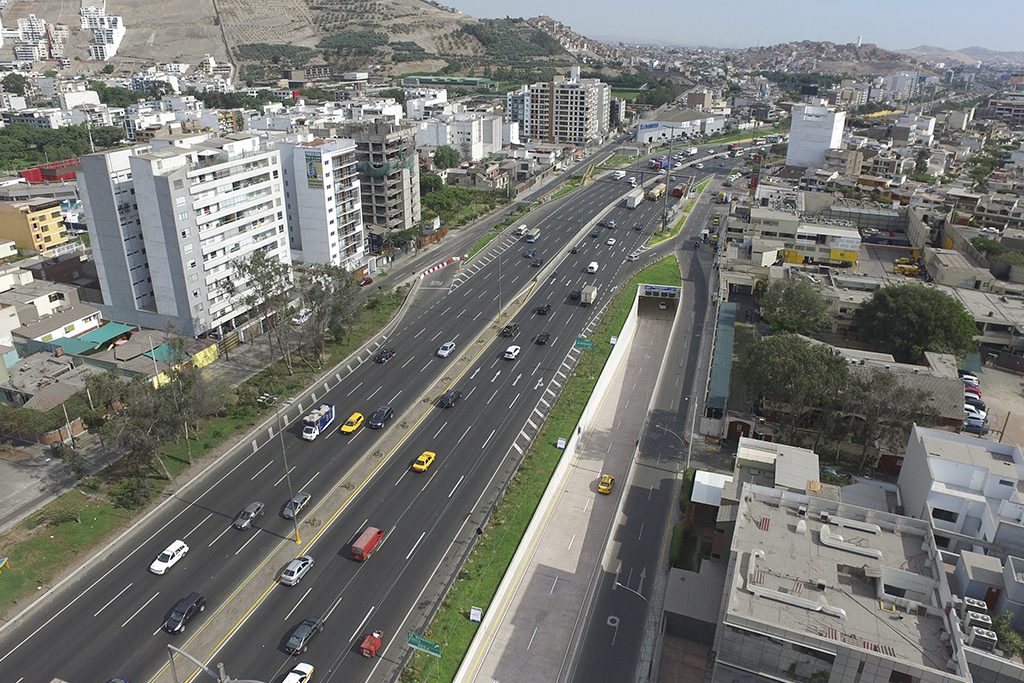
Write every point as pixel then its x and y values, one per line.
pixel 287 473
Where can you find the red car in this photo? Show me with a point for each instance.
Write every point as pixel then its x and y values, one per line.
pixel 366 281
pixel 968 389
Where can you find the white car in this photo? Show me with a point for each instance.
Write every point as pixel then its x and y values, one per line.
pixel 973 411
pixel 698 165
pixel 296 569
pixel 169 557
pixel 610 242
pixel 445 349
pixel 632 257
pixel 302 316
pixel 512 352
pixel 300 673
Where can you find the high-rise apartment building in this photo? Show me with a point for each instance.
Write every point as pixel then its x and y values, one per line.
pixel 107 30
pixel 814 131
pixel 389 175
pixel 564 111
pixel 168 223
pixel 325 220
pixel 35 226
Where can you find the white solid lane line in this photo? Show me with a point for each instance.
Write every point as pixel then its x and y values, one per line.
pixel 249 541
pixel 253 477
pixel 290 470
pixel 196 526
pixel 226 529
pixel 354 388
pixel 292 610
pixel 454 487
pixel 415 545
pixel 120 593
pixel 396 396
pixel 306 485
pixel 140 609
pixel 362 624
pixel 374 392
pixel 439 430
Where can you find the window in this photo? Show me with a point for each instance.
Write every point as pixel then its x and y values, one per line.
pixel 179 200
pixel 183 216
pixel 944 515
pixel 1005 482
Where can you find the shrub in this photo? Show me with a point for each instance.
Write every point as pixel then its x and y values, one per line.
pixel 131 493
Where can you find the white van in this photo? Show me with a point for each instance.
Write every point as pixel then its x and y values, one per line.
pixel 592 268
pixel 619 175
pixel 521 230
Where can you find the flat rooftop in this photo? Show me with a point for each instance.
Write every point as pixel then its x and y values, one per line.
pixel 967 450
pixel 823 580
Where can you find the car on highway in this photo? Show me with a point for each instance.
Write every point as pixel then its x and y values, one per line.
pixel 632 257
pixel 638 227
pixel 298 641
pixel 610 242
pixel 354 422
pixel 606 484
pixel 189 606
pixel 612 225
pixel 366 281
pixel 296 569
pixel 594 234
pixel 385 354
pixel 511 330
pixel 424 461
pixel 169 557
pixel 543 338
pixel 450 398
pixel 381 416
pixel 576 249
pixel 537 263
pixel 575 295
pixel 543 309
pixel 296 505
pixel 512 352
pixel 698 165
pixel 530 253
pixel 248 514
pixel 300 673
pixel 445 350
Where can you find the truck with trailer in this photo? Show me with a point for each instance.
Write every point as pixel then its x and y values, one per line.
pixel 367 542
pixel 656 192
pixel 588 295
pixel 618 175
pixel 317 421
pixel 634 198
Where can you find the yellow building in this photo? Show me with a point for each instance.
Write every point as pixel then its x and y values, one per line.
pixel 35 225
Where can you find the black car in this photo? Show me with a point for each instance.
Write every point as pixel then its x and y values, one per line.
pixel 510 330
pixel 450 398
pixel 530 253
pixel 576 249
pixel 543 338
pixel 638 227
pixel 381 416
pixel 976 402
pixel 537 263
pixel 602 224
pixel 543 309
pixel 385 354
pixel 186 608
pixel 594 234
pixel 574 295
pixel 298 641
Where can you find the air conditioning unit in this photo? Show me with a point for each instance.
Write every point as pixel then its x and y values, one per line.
pixel 972 605
pixel 983 639
pixel 972 619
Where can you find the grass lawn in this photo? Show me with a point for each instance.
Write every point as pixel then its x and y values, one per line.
pixel 616 160
pixel 625 94
pixel 659 237
pixel 567 187
pixel 479 578
pixel 40 552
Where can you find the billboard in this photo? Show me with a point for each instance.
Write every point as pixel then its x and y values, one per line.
pixel 314 170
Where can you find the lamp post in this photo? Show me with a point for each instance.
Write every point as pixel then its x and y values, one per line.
pixel 287 472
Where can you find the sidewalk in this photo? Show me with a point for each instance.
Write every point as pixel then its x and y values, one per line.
pixel 532 625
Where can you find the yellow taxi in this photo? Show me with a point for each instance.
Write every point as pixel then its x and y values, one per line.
pixel 354 422
pixel 423 462
pixel 606 483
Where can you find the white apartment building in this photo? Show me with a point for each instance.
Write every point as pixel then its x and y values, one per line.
pixel 366 109
pixel 49 117
pixel 422 103
pixel 474 135
pixel 169 222
pixel 564 111
pixel 325 221
pixel 814 131
pixel 107 31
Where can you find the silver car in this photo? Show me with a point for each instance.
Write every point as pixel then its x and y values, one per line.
pixel 296 569
pixel 296 505
pixel 247 515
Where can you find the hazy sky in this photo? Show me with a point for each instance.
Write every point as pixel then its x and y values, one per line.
pixel 952 24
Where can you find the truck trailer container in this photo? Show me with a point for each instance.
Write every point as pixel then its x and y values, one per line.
pixel 634 198
pixel 656 192
pixel 366 543
pixel 588 295
pixel 317 421
pixel 533 235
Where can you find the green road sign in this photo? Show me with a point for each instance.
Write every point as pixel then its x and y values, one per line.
pixel 418 642
pixel 584 343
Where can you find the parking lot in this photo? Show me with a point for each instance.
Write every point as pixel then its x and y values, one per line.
pixel 1003 393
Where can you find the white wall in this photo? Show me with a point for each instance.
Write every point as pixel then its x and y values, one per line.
pixel 814 131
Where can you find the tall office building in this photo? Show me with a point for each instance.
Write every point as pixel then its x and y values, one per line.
pixel 168 223
pixel 389 175
pixel 814 131
pixel 563 111
pixel 325 221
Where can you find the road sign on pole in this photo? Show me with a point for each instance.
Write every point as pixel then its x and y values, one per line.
pixel 418 642
pixel 584 343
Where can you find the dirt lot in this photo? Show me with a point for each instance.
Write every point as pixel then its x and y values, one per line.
pixel 1003 393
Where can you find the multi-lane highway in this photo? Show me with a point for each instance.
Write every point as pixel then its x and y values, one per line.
pixel 107 621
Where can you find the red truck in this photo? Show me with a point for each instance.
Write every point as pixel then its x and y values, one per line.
pixel 366 543
pixel 677 191
pixel 371 643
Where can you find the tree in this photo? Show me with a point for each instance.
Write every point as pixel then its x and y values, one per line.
pixel 333 299
pixel 921 162
pixel 886 407
pixel 794 306
pixel 446 157
pixel 264 283
pixel 16 84
pixel 794 374
pixel 430 182
pixel 907 320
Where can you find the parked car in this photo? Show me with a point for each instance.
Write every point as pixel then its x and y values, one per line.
pixel 381 416
pixel 296 569
pixel 298 641
pixel 970 380
pixel 186 608
pixel 251 511
pixel 385 354
pixel 302 316
pixel 973 390
pixel 972 400
pixel 971 411
pixel 366 281
pixel 450 398
pixel 296 505
pixel 975 426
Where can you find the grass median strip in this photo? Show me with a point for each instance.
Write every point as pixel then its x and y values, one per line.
pixel 660 237
pixel 74 525
pixel 479 578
